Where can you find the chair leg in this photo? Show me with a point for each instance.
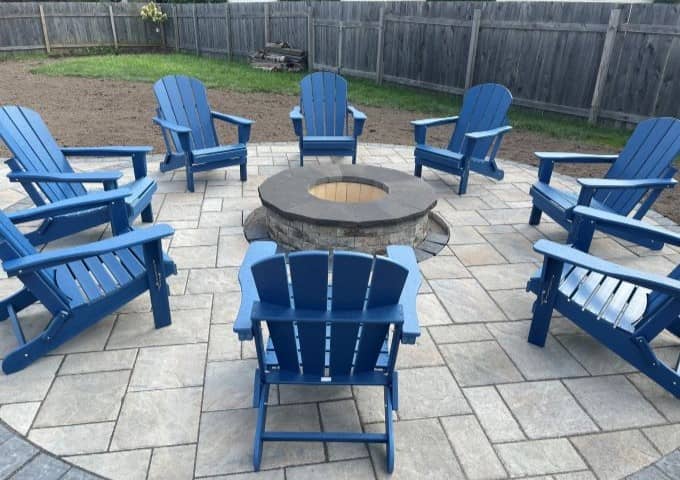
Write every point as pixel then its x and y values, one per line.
pixel 535 217
pixel 302 159
pixel 418 171
pixel 259 429
pixel 545 301
pixel 147 214
pixel 389 431
pixel 158 287
pixel 244 171
pixel 19 300
pixel 462 186
pixel 190 177
pixel 354 156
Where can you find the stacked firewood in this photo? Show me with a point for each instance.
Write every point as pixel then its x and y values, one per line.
pixel 279 57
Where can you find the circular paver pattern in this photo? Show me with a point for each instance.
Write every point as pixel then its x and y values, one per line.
pixel 476 400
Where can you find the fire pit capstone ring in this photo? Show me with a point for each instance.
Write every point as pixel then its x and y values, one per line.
pixel 358 207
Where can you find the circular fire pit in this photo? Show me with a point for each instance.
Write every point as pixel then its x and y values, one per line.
pixel 357 207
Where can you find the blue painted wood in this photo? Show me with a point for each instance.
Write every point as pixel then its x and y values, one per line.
pixel 321 120
pixel 636 178
pixel 329 323
pixel 476 138
pixel 81 285
pixel 188 129
pixel 623 308
pixel 42 168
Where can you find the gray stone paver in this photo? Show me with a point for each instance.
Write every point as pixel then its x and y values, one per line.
pixel 476 400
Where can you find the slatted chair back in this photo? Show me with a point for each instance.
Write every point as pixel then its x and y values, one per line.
pixel 13 245
pixel 648 154
pixel 485 107
pixel 329 348
pixel 183 100
pixel 34 150
pixel 323 101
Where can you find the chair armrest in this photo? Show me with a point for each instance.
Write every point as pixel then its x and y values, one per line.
pixel 86 177
pixel 59 257
pixel 434 122
pixel 589 186
pixel 296 117
pixel 567 254
pixel 600 218
pixel 611 183
pixel 359 120
pixel 562 157
pixel 256 252
pixel 76 204
pixel 115 151
pixel 171 125
pixel 494 132
pixel 420 126
pixel 547 161
pixel 270 312
pixel 233 119
pixel 406 257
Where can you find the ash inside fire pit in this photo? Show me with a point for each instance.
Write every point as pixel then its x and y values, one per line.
pixel 355 207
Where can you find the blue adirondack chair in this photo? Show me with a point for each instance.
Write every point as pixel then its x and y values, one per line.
pixel 40 165
pixel 475 141
pixel 188 130
pixel 321 121
pixel 336 334
pixel 80 285
pixel 624 309
pixel 636 178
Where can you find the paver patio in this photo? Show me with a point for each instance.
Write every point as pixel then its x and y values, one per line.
pixel 477 401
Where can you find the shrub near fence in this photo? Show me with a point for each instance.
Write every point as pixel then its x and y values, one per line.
pixel 594 60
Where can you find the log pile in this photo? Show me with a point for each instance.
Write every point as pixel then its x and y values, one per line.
pixel 279 57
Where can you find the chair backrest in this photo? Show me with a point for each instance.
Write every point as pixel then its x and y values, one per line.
pixel 183 100
pixel 485 107
pixel 42 284
pixel 649 153
pixel 357 281
pixel 323 100
pixel 34 150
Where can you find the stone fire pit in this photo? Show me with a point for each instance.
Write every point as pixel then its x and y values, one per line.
pixel 357 207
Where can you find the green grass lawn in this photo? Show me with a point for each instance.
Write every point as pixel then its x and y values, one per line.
pixel 240 77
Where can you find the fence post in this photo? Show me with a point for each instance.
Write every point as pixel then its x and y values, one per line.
pixel 379 64
pixel 341 30
pixel 44 29
pixel 113 28
pixel 198 51
pixel 310 38
pixel 176 25
pixel 472 51
pixel 227 22
pixel 607 48
pixel 266 23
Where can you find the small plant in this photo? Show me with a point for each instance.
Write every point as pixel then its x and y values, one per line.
pixel 151 12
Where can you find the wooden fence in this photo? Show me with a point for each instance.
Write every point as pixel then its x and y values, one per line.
pixel 594 60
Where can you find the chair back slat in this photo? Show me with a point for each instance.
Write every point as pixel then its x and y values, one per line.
pixel 484 107
pixel 309 278
pixel 272 286
pixel 648 154
pixel 328 347
pixel 35 151
pixel 351 273
pixel 184 100
pixel 387 283
pixel 13 245
pixel 323 100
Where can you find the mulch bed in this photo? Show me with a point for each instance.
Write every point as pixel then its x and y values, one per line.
pixel 83 111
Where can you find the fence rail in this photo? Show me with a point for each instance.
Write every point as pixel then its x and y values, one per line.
pixel 594 60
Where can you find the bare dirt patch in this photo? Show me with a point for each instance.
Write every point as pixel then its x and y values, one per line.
pixel 84 111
